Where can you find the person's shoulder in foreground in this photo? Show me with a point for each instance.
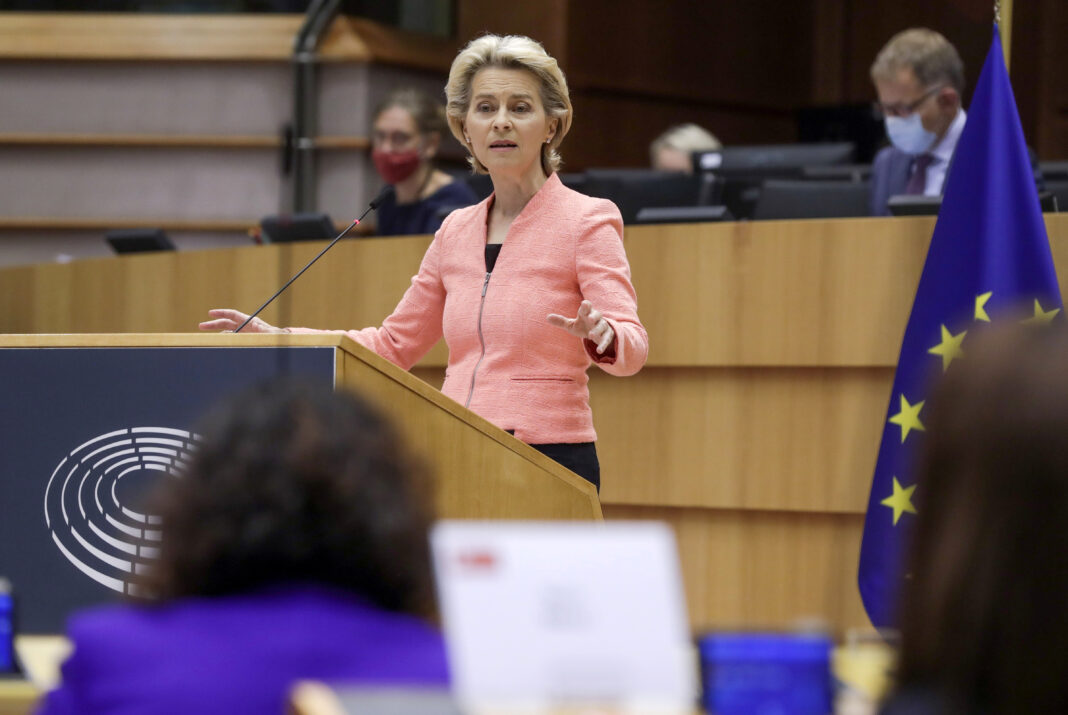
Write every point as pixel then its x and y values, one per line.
pixel 239 653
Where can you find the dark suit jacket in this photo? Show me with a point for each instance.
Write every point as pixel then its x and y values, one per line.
pixel 239 653
pixel 890 176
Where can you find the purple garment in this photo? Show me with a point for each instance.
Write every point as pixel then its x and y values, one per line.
pixel 239 654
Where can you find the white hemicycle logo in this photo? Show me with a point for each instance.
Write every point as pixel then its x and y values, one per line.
pixel 87 501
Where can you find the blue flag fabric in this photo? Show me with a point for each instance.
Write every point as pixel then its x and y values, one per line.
pixel 989 259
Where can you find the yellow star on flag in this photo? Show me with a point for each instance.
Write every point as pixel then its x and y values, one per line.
pixel 949 348
pixel 908 418
pixel 900 501
pixel 980 307
pixel 1041 317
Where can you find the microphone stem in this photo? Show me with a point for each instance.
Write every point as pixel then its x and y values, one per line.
pixel 301 272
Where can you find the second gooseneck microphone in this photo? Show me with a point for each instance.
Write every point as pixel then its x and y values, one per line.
pixel 375 203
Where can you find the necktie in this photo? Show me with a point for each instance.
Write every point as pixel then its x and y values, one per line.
pixel 918 180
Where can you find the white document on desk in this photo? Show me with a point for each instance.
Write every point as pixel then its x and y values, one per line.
pixel 544 614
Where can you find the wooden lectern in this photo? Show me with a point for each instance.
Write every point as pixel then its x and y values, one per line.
pixel 481 471
pixel 92 420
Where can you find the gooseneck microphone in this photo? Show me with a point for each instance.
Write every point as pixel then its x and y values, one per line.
pixel 375 203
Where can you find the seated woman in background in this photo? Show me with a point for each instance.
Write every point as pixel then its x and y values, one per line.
pixel 294 546
pixel 671 150
pixel 408 128
pixel 982 621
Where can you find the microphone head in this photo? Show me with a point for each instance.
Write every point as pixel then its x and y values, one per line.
pixel 384 194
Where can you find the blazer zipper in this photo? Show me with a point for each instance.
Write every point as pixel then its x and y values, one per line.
pixel 481 340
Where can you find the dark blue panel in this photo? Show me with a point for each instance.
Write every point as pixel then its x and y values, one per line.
pixel 107 423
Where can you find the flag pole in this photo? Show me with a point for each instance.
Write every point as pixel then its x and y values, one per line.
pixel 1004 26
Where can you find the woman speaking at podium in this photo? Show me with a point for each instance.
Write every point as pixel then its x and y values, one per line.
pixel 528 287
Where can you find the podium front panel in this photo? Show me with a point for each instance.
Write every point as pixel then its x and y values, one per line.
pixel 84 435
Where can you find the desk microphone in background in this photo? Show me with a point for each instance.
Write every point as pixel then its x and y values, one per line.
pixel 375 203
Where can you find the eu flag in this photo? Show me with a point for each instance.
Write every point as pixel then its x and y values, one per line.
pixel 989 260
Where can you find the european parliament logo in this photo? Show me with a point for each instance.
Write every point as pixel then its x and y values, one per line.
pixel 989 260
pixel 93 501
pixel 88 433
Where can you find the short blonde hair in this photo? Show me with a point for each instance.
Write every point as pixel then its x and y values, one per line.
pixel 509 52
pixel 686 138
pixel 927 53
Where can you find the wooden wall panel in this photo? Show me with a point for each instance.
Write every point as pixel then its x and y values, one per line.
pixel 743 69
pixel 965 23
pixel 750 570
pixel 830 48
pixel 738 69
pixel 1025 67
pixel 545 21
pixel 712 51
pixel 1052 90
pixel 349 280
pixel 778 292
pixel 787 439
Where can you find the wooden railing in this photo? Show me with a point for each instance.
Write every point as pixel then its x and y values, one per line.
pixel 239 38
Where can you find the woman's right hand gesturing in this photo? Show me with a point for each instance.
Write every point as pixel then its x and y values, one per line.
pixel 228 320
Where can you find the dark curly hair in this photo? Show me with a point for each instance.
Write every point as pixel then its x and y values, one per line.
pixel 296 482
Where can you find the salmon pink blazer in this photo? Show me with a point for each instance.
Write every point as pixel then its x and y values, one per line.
pixel 506 362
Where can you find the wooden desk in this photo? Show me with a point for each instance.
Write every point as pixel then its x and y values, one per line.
pixel 17 697
pixel 317 698
pixel 754 435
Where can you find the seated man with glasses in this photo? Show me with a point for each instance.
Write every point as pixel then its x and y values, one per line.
pixel 919 78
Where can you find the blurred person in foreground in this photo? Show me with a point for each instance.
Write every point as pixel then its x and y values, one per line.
pixel 294 546
pixel 407 131
pixel 982 612
pixel 919 79
pixel 673 150
pixel 501 278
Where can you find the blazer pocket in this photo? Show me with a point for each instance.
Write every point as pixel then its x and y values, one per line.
pixel 541 378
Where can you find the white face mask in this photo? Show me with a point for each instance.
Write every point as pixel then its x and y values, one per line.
pixel 908 134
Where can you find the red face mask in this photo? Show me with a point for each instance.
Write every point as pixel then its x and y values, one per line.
pixel 395 167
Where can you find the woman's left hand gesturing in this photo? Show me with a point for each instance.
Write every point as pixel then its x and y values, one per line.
pixel 589 324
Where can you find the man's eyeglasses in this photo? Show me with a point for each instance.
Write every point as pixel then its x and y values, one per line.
pixel 902 110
